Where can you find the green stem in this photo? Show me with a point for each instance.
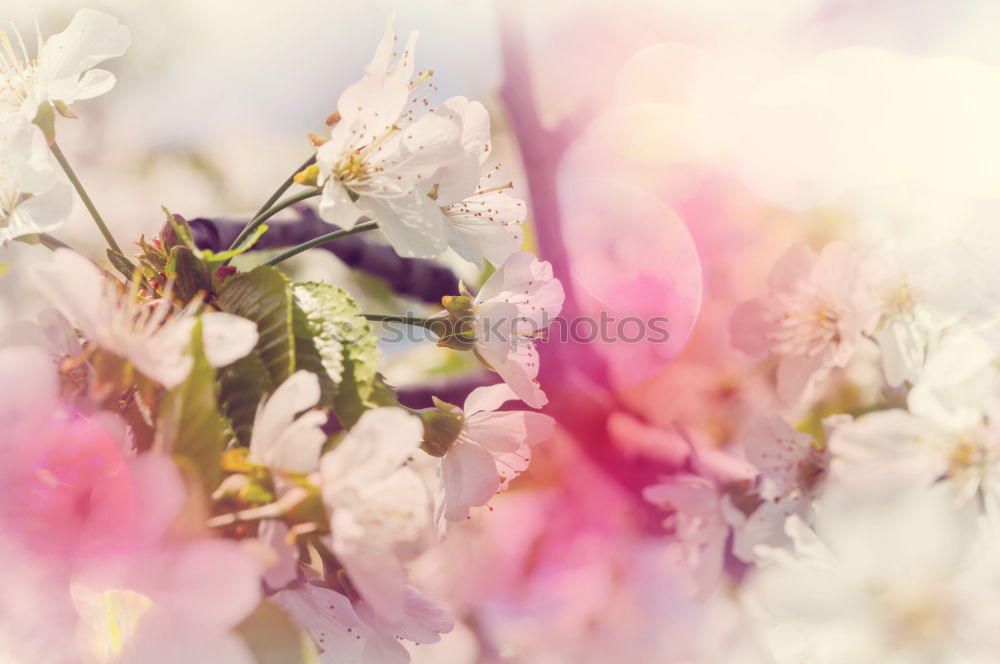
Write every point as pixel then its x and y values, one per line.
pixel 270 212
pixel 61 158
pixel 322 239
pixel 52 243
pixel 417 321
pixel 285 185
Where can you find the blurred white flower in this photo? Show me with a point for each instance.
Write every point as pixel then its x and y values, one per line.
pixel 812 319
pixel 792 473
pixel 492 449
pixel 63 70
pixel 153 338
pixel 515 305
pixel 34 197
pixel 377 504
pixel 950 433
pixel 697 519
pixel 904 580
pixel 384 161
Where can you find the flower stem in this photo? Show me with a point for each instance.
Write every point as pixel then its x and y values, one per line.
pixel 61 158
pixel 289 181
pixel 417 321
pixel 270 212
pixel 52 243
pixel 322 239
pixel 285 185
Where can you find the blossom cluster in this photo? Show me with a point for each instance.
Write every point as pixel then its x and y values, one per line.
pixel 193 451
pixel 857 520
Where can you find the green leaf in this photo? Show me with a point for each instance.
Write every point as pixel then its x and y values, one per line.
pixel 264 296
pixel 210 256
pixel 188 422
pixel 242 386
pixel 188 272
pixel 122 264
pixel 307 354
pixel 346 345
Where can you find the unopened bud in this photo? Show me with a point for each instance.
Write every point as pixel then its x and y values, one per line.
pixel 307 177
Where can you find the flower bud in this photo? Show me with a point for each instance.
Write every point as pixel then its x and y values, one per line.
pixel 442 425
pixel 307 177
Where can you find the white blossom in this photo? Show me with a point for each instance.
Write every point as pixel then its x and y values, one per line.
pixel 491 449
pixel 391 158
pixel 515 305
pixel 901 580
pixel 63 69
pixel 792 471
pixel 155 339
pixel 34 198
pixel 377 505
pixel 812 319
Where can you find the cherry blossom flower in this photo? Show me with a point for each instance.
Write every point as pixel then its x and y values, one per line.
pixel 149 336
pixel 33 196
pixel 918 298
pixel 792 474
pixel 491 450
pixel 485 221
pixel 63 70
pixel 287 437
pixel 702 513
pixel 698 521
pixel 377 505
pixel 282 439
pixel 903 579
pixel 950 431
pixel 487 225
pixel 817 309
pixel 513 307
pixel 385 161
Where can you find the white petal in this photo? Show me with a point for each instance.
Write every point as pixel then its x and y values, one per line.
pixel 423 621
pixel 276 441
pixel 91 38
pixel 227 338
pixel 75 287
pixel 380 442
pixel 470 479
pixel 507 431
pixel 414 224
pixel 487 398
pixel 336 206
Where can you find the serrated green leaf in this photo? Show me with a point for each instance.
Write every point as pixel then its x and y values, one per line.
pixel 188 422
pixel 307 354
pixel 242 385
pixel 346 345
pixel 264 296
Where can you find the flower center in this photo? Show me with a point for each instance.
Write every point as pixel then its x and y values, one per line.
pixel 16 71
